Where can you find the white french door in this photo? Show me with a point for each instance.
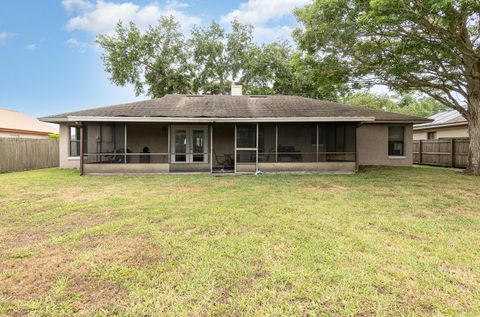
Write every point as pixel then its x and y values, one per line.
pixel 189 144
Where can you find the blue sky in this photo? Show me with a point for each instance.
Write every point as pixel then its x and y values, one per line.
pixel 49 63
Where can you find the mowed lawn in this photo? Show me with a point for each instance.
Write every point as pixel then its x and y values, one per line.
pixel 389 241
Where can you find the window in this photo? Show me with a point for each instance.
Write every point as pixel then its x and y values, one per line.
pixel 431 135
pixel 396 141
pixel 74 141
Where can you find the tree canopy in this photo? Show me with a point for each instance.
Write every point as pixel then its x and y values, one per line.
pixel 429 46
pixel 160 60
pixel 407 103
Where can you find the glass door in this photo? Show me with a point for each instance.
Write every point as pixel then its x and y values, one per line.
pixel 190 144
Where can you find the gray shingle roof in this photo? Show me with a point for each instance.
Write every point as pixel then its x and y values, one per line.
pixel 224 106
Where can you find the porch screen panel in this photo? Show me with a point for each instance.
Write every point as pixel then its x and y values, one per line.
pixel 147 142
pixel 267 143
pixel 105 143
pixel 246 143
pixel 246 136
pixel 297 142
pixel 339 142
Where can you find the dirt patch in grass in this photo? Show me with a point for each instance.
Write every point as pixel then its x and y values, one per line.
pixel 76 194
pixel 31 278
pixel 136 251
pixel 95 296
pixel 20 239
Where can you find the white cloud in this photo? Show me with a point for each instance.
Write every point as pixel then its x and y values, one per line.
pixel 4 36
pixel 101 17
pixel 31 47
pixel 72 5
pixel 260 13
pixel 81 46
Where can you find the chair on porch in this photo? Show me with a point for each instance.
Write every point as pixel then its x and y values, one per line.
pixel 226 161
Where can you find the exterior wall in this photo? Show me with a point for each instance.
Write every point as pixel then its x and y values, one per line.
pixel 65 160
pixel 372 149
pixel 445 132
pixel 372 146
pixel 126 168
pixel 22 135
pixel 323 167
pixel 190 167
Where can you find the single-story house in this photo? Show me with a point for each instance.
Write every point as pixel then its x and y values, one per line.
pixel 232 134
pixel 14 124
pixel 445 124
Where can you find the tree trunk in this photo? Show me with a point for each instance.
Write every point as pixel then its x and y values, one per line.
pixel 474 133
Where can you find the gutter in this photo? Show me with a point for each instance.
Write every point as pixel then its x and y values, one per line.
pixel 446 125
pixel 206 120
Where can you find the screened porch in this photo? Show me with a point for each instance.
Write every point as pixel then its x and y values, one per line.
pixel 217 147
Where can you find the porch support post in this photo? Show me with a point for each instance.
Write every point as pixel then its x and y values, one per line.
pixel 276 143
pixel 235 142
pixel 168 144
pixel 256 156
pixel 356 146
pixel 211 148
pixel 81 150
pixel 317 140
pixel 125 161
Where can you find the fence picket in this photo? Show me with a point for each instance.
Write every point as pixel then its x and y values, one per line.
pixel 22 154
pixel 452 152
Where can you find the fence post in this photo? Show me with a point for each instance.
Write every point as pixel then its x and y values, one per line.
pixel 420 152
pixel 452 149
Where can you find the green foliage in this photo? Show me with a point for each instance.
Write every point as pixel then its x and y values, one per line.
pixel 55 136
pixel 406 104
pixel 429 46
pixel 160 61
pixel 154 62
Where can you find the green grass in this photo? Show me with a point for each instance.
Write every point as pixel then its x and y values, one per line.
pixel 389 241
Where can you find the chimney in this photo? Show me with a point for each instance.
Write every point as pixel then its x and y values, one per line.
pixel 236 90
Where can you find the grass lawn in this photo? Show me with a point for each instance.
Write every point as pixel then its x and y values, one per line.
pixel 390 241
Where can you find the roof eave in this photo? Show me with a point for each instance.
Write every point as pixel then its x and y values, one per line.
pixel 206 119
pixel 435 126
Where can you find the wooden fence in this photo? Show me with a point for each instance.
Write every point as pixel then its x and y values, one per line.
pixel 443 152
pixel 21 154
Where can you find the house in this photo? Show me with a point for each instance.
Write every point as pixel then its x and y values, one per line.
pixel 234 133
pixel 446 124
pixel 14 124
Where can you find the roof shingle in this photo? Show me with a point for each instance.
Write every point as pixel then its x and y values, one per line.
pixel 225 106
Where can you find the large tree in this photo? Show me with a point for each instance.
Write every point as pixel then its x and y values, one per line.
pixel 430 46
pixel 160 60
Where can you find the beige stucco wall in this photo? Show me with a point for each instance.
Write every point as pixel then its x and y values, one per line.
pixel 152 168
pixel 446 132
pixel 372 145
pixel 322 167
pixel 65 160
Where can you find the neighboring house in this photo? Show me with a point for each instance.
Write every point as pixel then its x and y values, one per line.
pixel 190 133
pixel 446 124
pixel 14 124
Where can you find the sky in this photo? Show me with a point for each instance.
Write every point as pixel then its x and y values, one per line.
pixel 49 62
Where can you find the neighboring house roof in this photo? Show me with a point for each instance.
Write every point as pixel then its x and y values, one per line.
pixel 17 122
pixel 218 108
pixel 446 118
